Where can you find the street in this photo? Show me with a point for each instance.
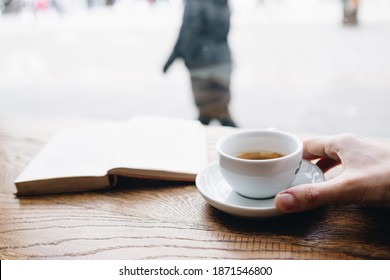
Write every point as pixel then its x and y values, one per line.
pixel 297 68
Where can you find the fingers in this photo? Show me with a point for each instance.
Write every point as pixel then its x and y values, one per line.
pixel 326 164
pixel 323 147
pixel 309 196
pixel 363 180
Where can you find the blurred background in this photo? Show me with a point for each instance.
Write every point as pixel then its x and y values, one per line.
pixel 299 65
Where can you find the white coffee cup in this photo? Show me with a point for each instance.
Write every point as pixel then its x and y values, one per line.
pixel 260 178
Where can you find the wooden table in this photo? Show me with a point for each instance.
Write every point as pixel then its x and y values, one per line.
pixel 143 219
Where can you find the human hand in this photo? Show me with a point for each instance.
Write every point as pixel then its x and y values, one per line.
pixel 365 179
pixel 170 60
pixel 165 68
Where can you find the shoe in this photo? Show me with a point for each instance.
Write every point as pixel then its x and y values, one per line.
pixel 204 120
pixel 350 20
pixel 228 122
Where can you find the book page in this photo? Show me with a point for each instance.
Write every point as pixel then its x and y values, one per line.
pixel 162 144
pixel 75 152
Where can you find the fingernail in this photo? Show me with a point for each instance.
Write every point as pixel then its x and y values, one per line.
pixel 286 201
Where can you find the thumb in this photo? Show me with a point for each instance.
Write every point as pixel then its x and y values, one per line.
pixel 308 196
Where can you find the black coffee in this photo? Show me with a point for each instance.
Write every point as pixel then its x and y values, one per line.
pixel 260 155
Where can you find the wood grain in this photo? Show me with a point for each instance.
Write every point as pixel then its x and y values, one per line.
pixel 144 219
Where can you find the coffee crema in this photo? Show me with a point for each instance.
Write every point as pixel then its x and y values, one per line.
pixel 259 155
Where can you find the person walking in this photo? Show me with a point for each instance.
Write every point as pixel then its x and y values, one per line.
pixel 350 11
pixel 203 45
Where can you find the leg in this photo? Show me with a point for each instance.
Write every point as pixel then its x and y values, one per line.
pixel 350 11
pixel 212 97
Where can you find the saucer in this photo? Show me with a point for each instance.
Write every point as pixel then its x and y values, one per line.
pixel 219 194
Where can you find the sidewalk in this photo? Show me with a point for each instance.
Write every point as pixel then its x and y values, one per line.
pixel 296 67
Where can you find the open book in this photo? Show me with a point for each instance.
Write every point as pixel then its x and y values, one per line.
pixel 92 157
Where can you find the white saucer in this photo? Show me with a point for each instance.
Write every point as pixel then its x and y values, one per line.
pixel 219 194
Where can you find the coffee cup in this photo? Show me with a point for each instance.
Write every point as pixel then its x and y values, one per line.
pixel 259 163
